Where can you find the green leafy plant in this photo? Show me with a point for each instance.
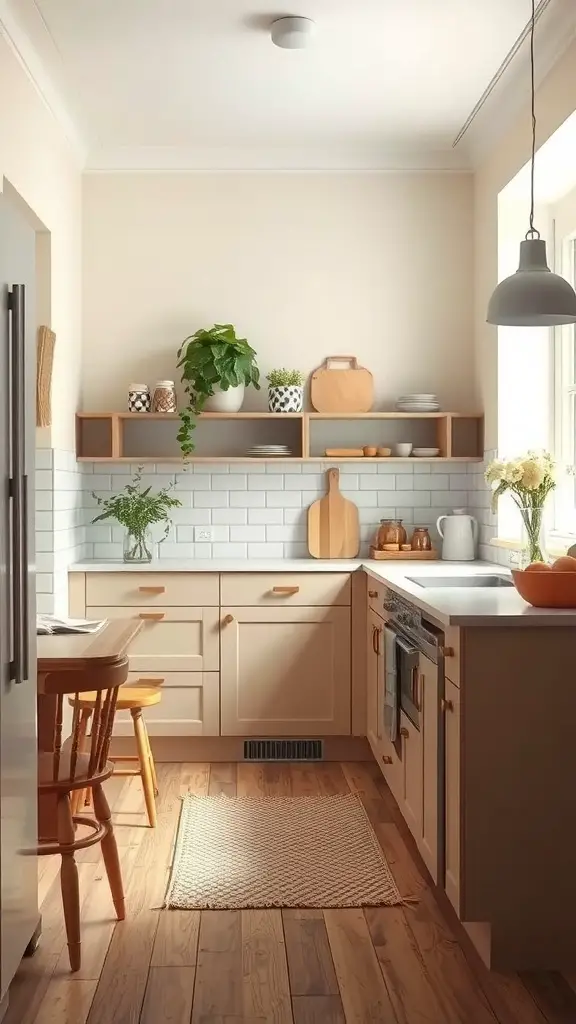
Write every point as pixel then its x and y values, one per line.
pixel 208 358
pixel 285 378
pixel 137 509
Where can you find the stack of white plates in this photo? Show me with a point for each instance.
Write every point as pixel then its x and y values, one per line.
pixel 425 453
pixel 418 403
pixel 268 451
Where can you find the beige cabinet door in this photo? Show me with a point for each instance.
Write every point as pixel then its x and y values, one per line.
pixel 411 796
pixel 374 680
pixel 172 640
pixel 190 705
pixel 429 709
pixel 285 671
pixel 452 793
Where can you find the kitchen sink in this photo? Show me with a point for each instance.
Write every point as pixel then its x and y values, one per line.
pixel 461 581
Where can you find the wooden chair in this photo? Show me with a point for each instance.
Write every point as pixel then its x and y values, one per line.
pixel 132 699
pixel 67 770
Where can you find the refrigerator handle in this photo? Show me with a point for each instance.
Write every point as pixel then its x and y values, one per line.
pixel 18 486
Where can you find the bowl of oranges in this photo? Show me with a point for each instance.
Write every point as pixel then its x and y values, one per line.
pixel 548 586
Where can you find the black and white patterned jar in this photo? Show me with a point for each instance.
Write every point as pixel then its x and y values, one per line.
pixel 139 398
pixel 286 398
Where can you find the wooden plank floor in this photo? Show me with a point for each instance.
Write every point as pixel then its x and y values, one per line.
pixel 397 965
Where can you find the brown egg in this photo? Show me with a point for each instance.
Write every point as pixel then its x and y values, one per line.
pixel 538 567
pixel 564 564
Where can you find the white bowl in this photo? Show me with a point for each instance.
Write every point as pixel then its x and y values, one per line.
pixel 418 398
pixel 403 450
pixel 425 453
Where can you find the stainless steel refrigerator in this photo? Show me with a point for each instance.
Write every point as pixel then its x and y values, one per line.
pixel 18 746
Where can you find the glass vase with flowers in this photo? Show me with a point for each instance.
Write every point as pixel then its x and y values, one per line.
pixel 529 480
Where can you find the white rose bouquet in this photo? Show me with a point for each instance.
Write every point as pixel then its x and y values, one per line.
pixel 529 480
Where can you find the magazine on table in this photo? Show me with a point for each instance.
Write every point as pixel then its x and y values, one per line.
pixel 52 624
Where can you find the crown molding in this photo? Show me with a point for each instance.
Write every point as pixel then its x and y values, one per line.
pixel 35 70
pixel 555 32
pixel 269 159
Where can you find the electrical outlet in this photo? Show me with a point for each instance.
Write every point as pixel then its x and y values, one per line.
pixel 203 533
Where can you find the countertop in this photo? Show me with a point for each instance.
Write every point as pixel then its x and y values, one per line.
pixel 448 607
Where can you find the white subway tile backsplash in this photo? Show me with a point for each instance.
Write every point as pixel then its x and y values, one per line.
pixel 400 468
pixel 382 483
pixel 108 551
pixel 267 482
pixel 285 499
pixel 265 551
pixel 304 482
pixel 102 482
pixel 288 468
pixel 193 482
pixel 263 516
pixel 459 482
pixel 44 561
pixel 202 550
pixel 44 583
pixel 249 533
pixel 44 501
pixel 43 458
pixel 292 517
pixel 180 551
pixel 247 499
pixel 434 482
pixel 296 549
pixel 452 499
pixel 248 467
pixel 286 533
pixel 368 499
pixel 419 466
pixel 229 551
pixel 211 499
pixel 212 467
pixel 231 482
pixel 44 520
pixel 229 516
pixel 44 479
pixel 416 499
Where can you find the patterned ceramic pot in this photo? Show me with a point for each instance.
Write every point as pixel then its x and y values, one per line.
pixel 164 399
pixel 139 398
pixel 286 398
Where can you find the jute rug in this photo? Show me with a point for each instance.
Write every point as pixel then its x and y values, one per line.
pixel 234 853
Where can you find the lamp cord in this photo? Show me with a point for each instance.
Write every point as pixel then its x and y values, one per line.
pixel 532 231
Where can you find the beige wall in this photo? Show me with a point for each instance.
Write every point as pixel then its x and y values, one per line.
pixel 555 102
pixel 37 161
pixel 305 265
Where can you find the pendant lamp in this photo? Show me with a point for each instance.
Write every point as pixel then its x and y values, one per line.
pixel 533 296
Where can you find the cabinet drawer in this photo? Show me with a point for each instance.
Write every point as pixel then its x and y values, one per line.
pixel 190 705
pixel 173 640
pixel 376 593
pixel 452 635
pixel 152 588
pixel 284 590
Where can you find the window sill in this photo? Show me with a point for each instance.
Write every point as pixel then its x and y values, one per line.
pixel 555 546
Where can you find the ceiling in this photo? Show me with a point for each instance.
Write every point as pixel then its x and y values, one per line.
pixel 198 83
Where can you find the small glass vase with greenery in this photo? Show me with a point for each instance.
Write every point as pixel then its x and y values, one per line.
pixel 213 361
pixel 285 390
pixel 137 510
pixel 529 480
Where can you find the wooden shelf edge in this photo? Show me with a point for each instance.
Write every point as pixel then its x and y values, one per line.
pixel 135 460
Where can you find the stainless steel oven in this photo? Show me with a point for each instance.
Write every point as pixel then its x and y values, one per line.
pixel 415 635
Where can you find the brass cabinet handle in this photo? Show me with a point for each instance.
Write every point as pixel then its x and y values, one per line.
pixel 227 620
pixel 153 616
pixel 386 759
pixel 404 732
pixel 447 652
pixel 374 639
pixel 372 593
pixel 446 705
pixel 152 590
pixel 287 591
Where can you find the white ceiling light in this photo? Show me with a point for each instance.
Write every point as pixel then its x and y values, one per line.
pixel 292 33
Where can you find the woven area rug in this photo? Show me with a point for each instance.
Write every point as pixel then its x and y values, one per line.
pixel 234 853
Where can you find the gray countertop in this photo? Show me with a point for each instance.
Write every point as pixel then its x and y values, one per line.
pixel 449 607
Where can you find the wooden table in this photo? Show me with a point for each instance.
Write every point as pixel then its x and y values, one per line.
pixel 75 653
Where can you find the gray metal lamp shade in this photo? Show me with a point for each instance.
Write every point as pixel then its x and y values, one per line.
pixel 533 296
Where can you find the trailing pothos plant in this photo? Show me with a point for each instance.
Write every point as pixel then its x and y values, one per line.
pixel 208 358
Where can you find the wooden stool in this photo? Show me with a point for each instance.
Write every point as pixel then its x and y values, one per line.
pixel 132 699
pixel 72 768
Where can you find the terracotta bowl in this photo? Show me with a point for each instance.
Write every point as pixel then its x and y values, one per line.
pixel 546 589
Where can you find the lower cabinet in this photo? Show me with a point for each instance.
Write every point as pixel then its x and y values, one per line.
pixel 411 794
pixel 385 752
pixel 285 671
pixel 190 705
pixel 452 793
pixel 429 710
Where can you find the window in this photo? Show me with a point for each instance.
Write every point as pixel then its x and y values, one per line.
pixel 565 402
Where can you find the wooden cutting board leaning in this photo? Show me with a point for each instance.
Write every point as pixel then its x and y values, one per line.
pixel 333 528
pixel 348 389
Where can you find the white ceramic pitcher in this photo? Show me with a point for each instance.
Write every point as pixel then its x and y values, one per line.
pixel 459 536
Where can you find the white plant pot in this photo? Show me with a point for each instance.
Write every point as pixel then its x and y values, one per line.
pixel 225 401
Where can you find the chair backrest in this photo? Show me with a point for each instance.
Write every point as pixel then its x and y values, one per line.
pixel 103 685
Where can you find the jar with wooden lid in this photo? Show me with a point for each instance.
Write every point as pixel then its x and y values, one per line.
pixel 164 399
pixel 391 532
pixel 421 540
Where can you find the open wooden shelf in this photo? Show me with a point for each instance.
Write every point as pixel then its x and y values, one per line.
pixel 151 437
